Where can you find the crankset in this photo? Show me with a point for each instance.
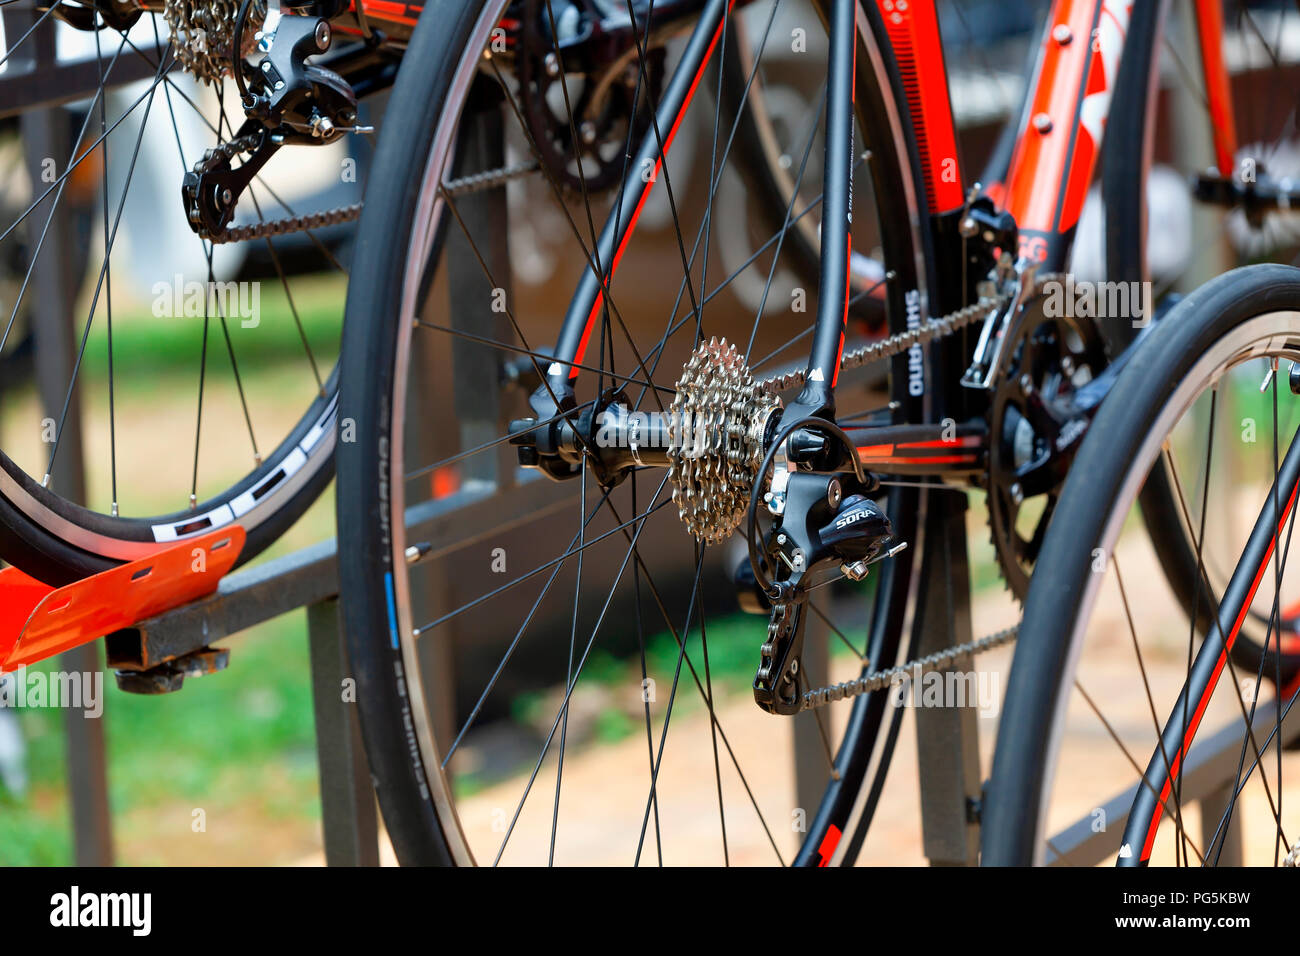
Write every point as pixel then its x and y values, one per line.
pixel 1036 424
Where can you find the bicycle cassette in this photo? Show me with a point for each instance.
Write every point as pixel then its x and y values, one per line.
pixel 717 438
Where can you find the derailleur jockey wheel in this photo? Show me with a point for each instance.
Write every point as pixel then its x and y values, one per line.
pixel 1033 431
pixel 601 73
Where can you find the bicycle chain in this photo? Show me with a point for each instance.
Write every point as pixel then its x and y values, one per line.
pixel 224 153
pixel 923 334
pixel 489 179
pixel 877 680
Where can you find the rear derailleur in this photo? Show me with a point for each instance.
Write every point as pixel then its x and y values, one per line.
pixel 287 101
pixel 825 528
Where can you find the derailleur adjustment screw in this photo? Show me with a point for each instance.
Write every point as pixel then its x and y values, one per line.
pixel 1062 34
pixel 797 559
pixel 834 493
pixel 323 35
pixel 781 538
pixel 1042 123
pixel 552 65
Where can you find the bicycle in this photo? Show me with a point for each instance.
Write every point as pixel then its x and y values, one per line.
pixel 112 292
pixel 584 94
pixel 435 460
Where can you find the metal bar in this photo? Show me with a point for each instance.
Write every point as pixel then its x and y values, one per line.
pixel 947 736
pixel 256 594
pixel 349 821
pixel 56 276
pixel 1214 806
pixel 49 87
pixel 811 769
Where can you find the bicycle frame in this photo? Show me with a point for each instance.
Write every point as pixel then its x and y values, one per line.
pixel 1042 180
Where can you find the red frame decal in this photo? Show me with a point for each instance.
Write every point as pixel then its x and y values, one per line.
pixel 913 29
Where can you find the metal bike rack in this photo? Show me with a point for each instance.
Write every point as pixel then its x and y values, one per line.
pixel 157 648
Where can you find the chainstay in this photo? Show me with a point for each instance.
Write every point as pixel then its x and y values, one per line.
pixel 878 680
pixel 290 224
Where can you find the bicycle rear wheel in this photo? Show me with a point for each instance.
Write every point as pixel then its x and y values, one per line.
pixel 501 625
pixel 154 385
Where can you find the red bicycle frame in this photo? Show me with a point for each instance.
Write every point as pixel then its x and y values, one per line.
pixel 1063 119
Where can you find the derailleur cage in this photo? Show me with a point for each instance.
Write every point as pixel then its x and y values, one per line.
pixel 287 101
pixel 818 526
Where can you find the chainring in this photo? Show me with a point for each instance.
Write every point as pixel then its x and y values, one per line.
pixel 1048 358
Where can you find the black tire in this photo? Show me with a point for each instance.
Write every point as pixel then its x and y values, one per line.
pixel 409 802
pixel 31 545
pixel 1040 676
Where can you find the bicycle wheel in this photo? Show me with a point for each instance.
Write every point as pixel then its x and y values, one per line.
pixel 484 605
pixel 179 383
pixel 1106 648
pixel 1171 237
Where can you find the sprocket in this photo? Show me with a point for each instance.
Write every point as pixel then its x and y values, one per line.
pixel 202 34
pixel 719 422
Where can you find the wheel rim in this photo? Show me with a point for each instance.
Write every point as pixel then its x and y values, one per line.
pixel 163 311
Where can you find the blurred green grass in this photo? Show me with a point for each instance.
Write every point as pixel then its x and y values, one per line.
pixel 145 347
pixel 239 745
